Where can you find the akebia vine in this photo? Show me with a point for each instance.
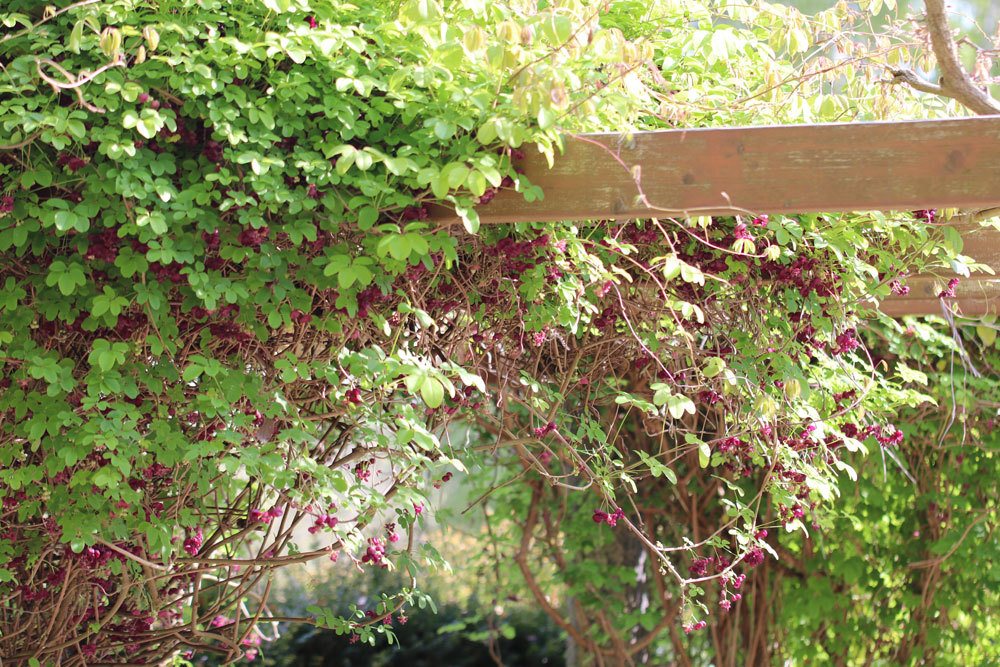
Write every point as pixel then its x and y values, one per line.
pixel 232 339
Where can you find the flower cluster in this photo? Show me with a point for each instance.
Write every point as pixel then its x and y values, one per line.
pixel 949 291
pixel 192 544
pixel 375 553
pixel 324 521
pixel 610 519
pixel 265 517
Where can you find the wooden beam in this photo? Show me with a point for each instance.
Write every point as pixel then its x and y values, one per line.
pixel 898 166
pixel 889 166
pixel 977 295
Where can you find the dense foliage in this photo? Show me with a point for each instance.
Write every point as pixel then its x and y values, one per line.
pixel 907 573
pixel 235 333
pixel 901 571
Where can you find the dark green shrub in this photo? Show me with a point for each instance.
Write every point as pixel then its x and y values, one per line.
pixel 456 636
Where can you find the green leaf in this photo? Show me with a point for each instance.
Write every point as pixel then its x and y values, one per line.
pixel 105 355
pixel 415 381
pixel 661 394
pixel 155 220
pixel 704 454
pixel 953 238
pixel 279 6
pixel 66 220
pixel 691 274
pixel 671 266
pixel 147 128
pixel 363 160
pixel 191 373
pixel 106 477
pixel 657 469
pixel 476 183
pixel 678 405
pixel 546 117
pixel 67 277
pixel 454 174
pixel 713 366
pixel 557 28
pixel 397 245
pixel 336 264
pixel 470 218
pixel 443 129
pixel 911 375
pixel 367 217
pixel 432 391
pixel 487 133
pixel 987 334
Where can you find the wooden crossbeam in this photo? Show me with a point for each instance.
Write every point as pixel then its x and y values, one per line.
pixel 888 166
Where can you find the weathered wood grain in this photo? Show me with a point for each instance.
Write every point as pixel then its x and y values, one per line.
pixel 977 295
pixel 890 166
pixel 785 169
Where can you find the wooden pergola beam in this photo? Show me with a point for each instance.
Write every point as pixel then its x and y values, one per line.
pixel 887 166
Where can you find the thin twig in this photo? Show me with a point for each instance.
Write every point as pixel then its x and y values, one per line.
pixel 58 12
pixel 955 82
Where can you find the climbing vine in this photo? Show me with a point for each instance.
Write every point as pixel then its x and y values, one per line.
pixel 236 329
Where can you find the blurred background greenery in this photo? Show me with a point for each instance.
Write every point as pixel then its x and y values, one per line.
pixel 971 12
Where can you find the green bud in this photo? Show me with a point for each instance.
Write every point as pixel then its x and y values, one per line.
pixel 111 41
pixel 474 39
pixel 152 37
pixel 792 389
pixel 509 32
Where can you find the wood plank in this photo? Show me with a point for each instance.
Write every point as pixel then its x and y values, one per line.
pixel 977 295
pixel 887 166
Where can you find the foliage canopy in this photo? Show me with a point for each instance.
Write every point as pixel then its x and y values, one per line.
pixel 227 316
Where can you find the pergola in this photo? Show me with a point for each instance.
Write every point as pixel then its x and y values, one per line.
pixel 885 166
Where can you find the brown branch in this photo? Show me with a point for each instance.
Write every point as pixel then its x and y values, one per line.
pixel 57 87
pixel 521 559
pixel 917 82
pixel 931 562
pixel 21 144
pixel 981 216
pixel 955 82
pixel 131 556
pixel 79 79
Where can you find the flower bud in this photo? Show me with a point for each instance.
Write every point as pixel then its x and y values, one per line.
pixel 474 39
pixel 792 389
pixel 509 32
pixel 527 35
pixel 766 406
pixel 111 41
pixel 151 36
